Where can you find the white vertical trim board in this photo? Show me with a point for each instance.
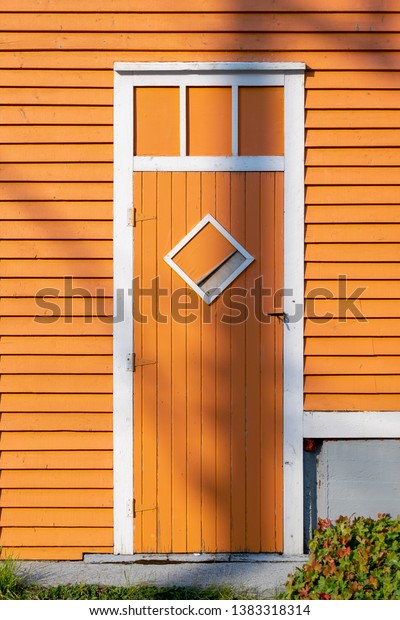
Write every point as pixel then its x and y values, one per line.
pixel 293 301
pixel 123 329
pixel 291 75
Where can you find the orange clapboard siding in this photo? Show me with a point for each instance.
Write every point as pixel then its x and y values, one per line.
pixel 41 210
pixel 66 286
pixel 334 80
pixel 73 440
pixel 56 498
pixel 353 137
pixel 57 479
pixel 63 345
pixel 55 249
pixel 73 364
pixel 352 119
pixel 382 308
pixel 200 22
pixel 351 252
pixel 57 96
pixel 55 422
pixel 47 153
pixel 51 553
pixel 353 271
pixel 56 517
pixel 83 268
pixel 37 134
pixel 56 459
pixel 373 365
pixel 383 214
pixel 373 156
pixel 50 537
pixel 352 402
pixel 50 307
pixel 55 115
pixel 57 172
pixel 56 191
pixel 350 346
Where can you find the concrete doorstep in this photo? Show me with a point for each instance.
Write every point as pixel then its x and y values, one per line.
pixel 264 574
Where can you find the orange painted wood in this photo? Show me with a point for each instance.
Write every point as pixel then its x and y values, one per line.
pixel 347 6
pixel 372 156
pixel 353 138
pixel 352 80
pixel 161 42
pixel 381 308
pixel 78 306
pixel 51 553
pixel 51 78
pixel 209 113
pixel 47 345
pixel 374 289
pixel 156 121
pixel 49 498
pixel 59 249
pixel 73 364
pixel 195 415
pixel 348 194
pixel 338 60
pixel 261 120
pixel 36 134
pixel 56 479
pixel 56 517
pixel 372 365
pixel 47 152
pixel 55 115
pixel 356 384
pixel 52 384
pixel 348 346
pixel 31 441
pixel 164 356
pixel 194 386
pixel 348 99
pixel 351 176
pixel 362 252
pixel 53 402
pixel 353 328
pixel 38 210
pixel 66 286
pixel 55 421
pixel 56 459
pixel 57 172
pixel 351 119
pixel 335 214
pixel 190 21
pixel 56 230
pixel 353 271
pixel 80 268
pixel 57 96
pixel 352 233
pixel 194 261
pixel 50 191
pixel 352 402
pixel 52 537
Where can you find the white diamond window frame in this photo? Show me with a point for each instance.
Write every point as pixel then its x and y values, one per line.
pixel 208 298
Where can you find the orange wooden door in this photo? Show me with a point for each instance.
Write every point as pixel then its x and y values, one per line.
pixel 208 386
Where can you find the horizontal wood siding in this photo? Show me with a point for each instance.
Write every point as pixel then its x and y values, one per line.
pixel 56 71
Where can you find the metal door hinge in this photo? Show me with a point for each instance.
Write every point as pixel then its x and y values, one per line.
pixel 140 362
pixel 142 507
pixel 140 217
pixel 280 314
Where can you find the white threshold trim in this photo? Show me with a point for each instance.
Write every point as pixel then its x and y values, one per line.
pixel 351 424
pixel 193 163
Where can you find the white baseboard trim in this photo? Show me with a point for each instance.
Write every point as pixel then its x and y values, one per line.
pixel 351 424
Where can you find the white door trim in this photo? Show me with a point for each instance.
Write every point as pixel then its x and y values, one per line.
pixel 291 75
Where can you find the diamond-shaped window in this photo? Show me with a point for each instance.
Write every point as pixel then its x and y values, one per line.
pixel 208 258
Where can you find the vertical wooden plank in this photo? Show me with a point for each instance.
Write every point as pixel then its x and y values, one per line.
pixel 137 398
pixel 194 385
pixel 278 365
pixel 209 387
pixel 164 244
pixel 223 379
pixel 149 371
pixel 268 427
pixel 253 481
pixel 179 377
pixel 238 382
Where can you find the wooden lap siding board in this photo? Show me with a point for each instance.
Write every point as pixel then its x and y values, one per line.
pixel 56 63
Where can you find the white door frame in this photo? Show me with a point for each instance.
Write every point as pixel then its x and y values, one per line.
pixel 127 76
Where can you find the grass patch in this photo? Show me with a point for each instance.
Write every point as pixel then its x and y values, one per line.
pixel 12 587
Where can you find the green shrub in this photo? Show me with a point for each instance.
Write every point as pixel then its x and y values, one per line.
pixel 351 559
